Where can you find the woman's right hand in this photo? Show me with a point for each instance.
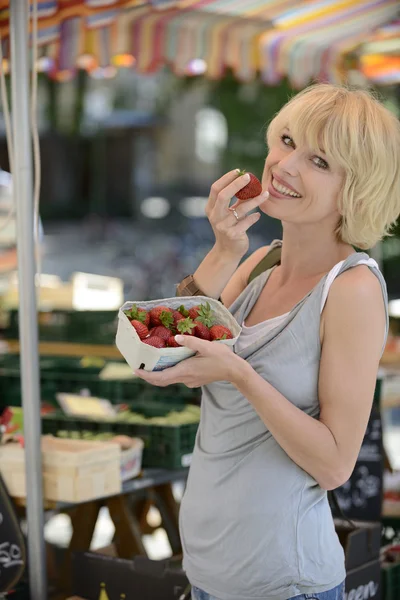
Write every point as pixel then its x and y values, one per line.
pixel 231 237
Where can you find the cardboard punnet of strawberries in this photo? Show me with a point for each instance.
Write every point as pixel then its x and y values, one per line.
pixel 146 330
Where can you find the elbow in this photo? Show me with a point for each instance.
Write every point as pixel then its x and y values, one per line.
pixel 334 479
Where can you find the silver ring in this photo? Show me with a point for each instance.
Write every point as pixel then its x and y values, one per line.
pixel 235 213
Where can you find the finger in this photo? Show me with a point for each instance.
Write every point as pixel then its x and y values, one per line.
pixel 160 378
pixel 225 196
pixel 236 229
pixel 219 185
pixel 244 207
pixel 194 343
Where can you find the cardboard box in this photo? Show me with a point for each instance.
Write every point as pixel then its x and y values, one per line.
pixel 361 545
pixel 139 355
pixel 73 470
pixel 97 577
pixel 362 551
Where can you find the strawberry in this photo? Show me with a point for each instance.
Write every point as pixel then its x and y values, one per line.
pixel 140 328
pixel 177 316
pixel 138 314
pixel 186 326
pixel 251 190
pixel 220 332
pixel 160 331
pixel 161 315
pixel 205 314
pixel 202 331
pixel 154 341
pixel 194 312
pixel 172 343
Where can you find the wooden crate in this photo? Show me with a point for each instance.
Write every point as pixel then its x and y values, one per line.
pixel 73 470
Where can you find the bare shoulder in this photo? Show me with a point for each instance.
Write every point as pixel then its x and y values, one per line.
pixel 355 305
pixel 358 284
pixel 238 281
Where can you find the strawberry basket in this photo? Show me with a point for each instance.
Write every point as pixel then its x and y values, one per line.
pixel 139 355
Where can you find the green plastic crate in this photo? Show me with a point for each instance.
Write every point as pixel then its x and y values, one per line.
pixel 59 374
pixel 166 446
pixel 85 327
pixel 391 582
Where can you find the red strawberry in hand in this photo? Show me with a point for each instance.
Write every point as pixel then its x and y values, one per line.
pixel 251 190
pixel 140 328
pixel 161 315
pixel 220 332
pixel 154 341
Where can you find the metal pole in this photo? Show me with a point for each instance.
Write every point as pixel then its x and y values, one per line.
pixel 28 330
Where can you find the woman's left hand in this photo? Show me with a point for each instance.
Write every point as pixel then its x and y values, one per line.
pixel 213 362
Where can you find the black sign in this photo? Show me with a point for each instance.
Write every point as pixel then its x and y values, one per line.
pixel 12 546
pixel 361 496
pixel 364 583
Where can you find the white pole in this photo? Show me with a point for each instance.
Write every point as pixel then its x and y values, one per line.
pixel 28 329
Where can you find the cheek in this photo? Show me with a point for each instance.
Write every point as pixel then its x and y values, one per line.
pixel 267 167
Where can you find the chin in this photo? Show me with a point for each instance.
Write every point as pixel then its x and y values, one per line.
pixel 271 209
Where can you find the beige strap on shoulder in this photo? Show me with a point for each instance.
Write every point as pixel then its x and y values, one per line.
pixel 271 259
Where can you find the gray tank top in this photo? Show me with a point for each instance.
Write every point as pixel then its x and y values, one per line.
pixel 254 525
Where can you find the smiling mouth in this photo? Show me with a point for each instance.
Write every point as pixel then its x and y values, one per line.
pixel 283 189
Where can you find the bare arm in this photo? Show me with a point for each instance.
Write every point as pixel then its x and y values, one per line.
pixel 327 448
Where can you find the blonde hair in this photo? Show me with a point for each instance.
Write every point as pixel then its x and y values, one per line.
pixel 363 137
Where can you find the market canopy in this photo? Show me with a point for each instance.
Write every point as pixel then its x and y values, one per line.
pixel 274 38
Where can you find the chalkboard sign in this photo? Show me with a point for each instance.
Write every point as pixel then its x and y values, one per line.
pixel 361 496
pixel 12 545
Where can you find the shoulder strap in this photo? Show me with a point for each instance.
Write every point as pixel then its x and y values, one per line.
pixel 271 259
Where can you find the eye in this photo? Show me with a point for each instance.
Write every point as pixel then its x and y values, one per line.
pixel 320 162
pixel 287 140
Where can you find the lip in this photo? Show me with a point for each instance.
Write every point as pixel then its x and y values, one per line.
pixel 282 182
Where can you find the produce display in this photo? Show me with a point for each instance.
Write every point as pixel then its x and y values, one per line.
pixel 190 414
pixel 251 190
pixel 158 326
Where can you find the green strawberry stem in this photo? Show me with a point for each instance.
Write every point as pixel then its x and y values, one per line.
pixel 206 315
pixel 166 319
pixel 183 311
pixel 185 325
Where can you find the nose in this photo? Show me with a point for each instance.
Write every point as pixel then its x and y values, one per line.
pixel 290 163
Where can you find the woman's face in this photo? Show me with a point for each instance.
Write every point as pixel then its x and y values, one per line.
pixel 304 187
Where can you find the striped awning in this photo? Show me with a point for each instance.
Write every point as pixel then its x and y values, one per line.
pixel 379 55
pixel 273 38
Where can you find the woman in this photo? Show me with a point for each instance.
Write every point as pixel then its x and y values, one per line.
pixel 284 415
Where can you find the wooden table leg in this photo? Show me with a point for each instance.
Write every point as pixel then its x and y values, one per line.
pixel 83 520
pixel 141 508
pixel 127 538
pixel 169 510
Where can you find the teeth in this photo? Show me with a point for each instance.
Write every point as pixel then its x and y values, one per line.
pixel 284 190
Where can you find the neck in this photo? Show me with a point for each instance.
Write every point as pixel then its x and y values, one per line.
pixel 308 254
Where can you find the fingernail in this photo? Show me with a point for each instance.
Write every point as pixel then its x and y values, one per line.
pixel 246 177
pixel 265 194
pixel 179 338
